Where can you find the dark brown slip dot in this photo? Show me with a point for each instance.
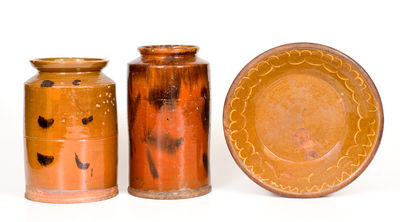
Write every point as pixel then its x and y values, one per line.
pixel 45 123
pixel 44 160
pixel 80 165
pixel 205 162
pixel 47 83
pixel 87 120
pixel 76 82
pixel 91 172
pixel 152 167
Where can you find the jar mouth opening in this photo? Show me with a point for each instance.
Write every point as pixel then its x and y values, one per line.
pixel 168 49
pixel 69 64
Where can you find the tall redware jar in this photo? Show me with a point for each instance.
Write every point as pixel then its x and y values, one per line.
pixel 70 132
pixel 168 102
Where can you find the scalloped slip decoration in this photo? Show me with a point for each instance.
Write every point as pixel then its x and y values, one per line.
pixel 303 120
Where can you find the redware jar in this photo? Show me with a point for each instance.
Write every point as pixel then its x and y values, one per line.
pixel 70 132
pixel 168 101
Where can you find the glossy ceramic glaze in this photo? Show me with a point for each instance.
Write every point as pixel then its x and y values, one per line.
pixel 303 120
pixel 168 99
pixel 70 132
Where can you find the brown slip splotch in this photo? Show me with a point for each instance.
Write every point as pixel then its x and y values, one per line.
pixel 164 141
pixel 87 120
pixel 205 114
pixel 132 147
pixel 44 160
pixel 159 97
pixel 152 167
pixel 205 162
pixel 79 164
pixel 45 123
pixel 76 82
pixel 47 83
pixel 134 107
pixel 166 93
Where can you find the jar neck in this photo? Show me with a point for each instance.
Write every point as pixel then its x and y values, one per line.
pixel 168 52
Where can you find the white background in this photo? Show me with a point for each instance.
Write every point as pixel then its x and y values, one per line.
pixel 230 34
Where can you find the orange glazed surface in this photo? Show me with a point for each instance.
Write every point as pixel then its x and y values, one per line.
pixel 70 131
pixel 303 120
pixel 168 123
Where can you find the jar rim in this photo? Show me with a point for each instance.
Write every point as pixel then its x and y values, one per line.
pixel 69 64
pixel 168 49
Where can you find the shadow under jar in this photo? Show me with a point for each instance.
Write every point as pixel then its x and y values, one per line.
pixel 70 132
pixel 168 102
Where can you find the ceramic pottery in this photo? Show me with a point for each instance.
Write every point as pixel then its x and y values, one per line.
pixel 70 132
pixel 168 100
pixel 303 120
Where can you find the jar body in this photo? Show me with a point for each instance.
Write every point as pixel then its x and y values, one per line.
pixel 168 102
pixel 70 137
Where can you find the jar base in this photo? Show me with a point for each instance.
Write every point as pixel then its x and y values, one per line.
pixel 69 196
pixel 179 194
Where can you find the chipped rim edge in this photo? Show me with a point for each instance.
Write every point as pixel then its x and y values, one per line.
pixel 267 54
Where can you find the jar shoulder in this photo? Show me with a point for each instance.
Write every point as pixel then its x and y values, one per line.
pixel 68 80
